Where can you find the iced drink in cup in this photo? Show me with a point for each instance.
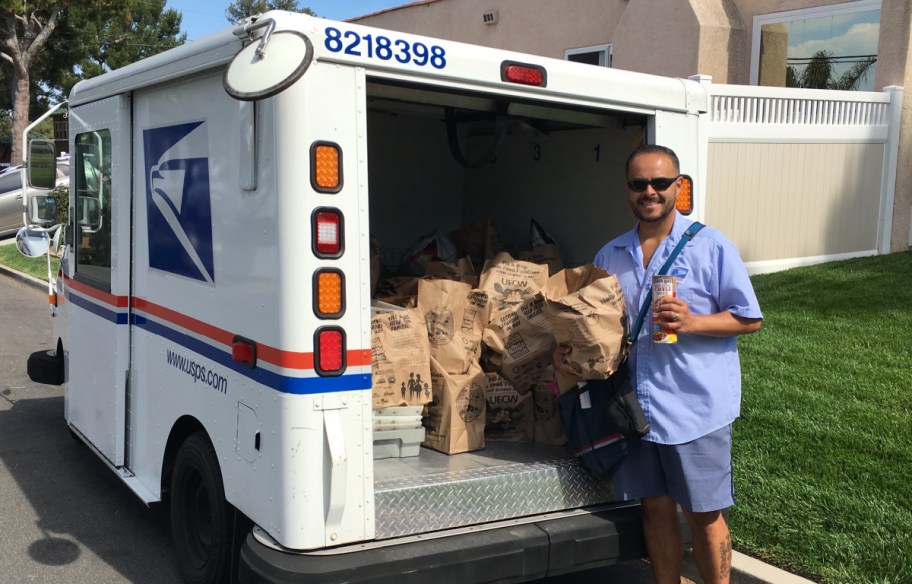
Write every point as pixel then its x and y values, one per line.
pixel 663 286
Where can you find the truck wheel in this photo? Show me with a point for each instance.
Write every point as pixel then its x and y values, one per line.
pixel 42 367
pixel 200 516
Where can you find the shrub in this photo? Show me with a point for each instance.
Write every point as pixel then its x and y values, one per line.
pixel 62 195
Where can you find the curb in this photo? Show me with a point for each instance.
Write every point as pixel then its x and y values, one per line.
pixel 756 572
pixel 22 278
pixel 746 570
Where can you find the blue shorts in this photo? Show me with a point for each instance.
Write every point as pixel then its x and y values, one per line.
pixel 697 474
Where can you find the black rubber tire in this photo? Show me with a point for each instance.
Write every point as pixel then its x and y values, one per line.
pixel 43 367
pixel 201 519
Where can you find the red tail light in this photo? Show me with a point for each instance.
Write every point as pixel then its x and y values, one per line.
pixel 523 74
pixel 243 351
pixel 330 357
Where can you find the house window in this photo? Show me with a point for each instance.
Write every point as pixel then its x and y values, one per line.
pixel 598 55
pixel 828 47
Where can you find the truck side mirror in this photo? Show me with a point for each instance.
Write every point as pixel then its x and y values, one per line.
pixel 42 165
pixel 268 67
pixel 31 243
pixel 41 210
pixel 41 173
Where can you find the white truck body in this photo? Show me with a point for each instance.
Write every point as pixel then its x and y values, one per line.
pixel 206 237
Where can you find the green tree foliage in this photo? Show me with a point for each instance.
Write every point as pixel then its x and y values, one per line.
pixel 820 73
pixel 241 9
pixel 143 31
pixel 46 46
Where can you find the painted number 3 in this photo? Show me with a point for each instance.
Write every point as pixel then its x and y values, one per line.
pixel 384 48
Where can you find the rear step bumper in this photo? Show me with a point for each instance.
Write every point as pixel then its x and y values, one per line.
pixel 512 553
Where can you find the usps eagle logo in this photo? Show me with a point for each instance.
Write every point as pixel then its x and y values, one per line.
pixel 177 200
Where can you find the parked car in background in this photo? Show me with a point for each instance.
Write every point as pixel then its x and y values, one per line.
pixel 11 192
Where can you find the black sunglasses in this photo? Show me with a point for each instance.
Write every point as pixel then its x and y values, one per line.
pixel 639 185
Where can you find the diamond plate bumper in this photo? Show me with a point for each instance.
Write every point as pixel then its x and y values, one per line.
pixel 435 491
pixel 508 513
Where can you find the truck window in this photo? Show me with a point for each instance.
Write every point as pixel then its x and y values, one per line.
pixel 92 173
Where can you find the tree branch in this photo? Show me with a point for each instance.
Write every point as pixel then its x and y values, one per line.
pixel 11 47
pixel 7 29
pixel 42 35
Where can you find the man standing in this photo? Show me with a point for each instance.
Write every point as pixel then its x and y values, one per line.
pixel 690 391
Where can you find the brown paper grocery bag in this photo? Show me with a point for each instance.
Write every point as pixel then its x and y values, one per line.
pixel 547 425
pixel 461 271
pixel 509 417
pixel 509 282
pixel 544 249
pixel 398 286
pixel 455 316
pixel 400 359
pixel 587 311
pixel 400 301
pixel 454 420
pixel 547 254
pixel 521 341
pixel 433 246
pixel 480 240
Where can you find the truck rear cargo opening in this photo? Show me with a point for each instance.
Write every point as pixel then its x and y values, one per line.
pixel 445 159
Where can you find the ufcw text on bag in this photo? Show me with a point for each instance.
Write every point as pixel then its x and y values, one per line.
pixel 587 311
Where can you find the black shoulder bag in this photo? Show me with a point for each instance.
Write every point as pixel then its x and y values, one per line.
pixel 602 418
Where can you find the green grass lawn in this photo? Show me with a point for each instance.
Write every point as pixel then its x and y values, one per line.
pixel 37 267
pixel 823 451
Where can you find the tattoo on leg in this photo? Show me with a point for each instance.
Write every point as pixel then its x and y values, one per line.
pixel 725 550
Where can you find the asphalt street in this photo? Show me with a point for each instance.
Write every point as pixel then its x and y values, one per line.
pixel 65 516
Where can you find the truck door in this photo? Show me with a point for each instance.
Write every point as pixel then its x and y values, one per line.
pixel 99 275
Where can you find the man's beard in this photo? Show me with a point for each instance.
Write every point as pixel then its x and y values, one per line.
pixel 667 208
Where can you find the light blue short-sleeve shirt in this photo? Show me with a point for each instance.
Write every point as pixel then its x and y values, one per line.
pixel 693 387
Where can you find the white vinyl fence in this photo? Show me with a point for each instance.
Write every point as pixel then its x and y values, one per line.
pixel 799 176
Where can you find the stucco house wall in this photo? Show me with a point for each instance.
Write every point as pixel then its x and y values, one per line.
pixel 534 27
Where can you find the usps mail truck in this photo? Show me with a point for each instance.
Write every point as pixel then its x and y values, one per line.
pixel 211 316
